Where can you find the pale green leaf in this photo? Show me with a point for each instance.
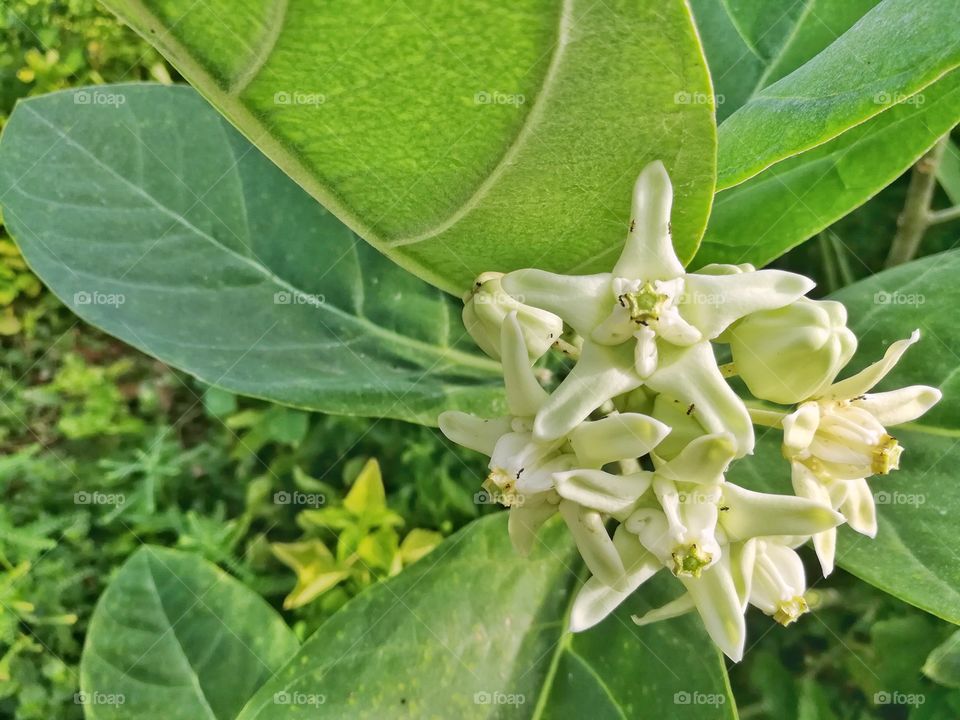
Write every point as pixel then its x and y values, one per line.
pixel 460 138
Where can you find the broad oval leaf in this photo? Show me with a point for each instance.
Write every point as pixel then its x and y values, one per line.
pixel 751 44
pixel 759 220
pixel 175 637
pixel 913 556
pixel 461 137
pixel 852 80
pixel 152 218
pixel 474 631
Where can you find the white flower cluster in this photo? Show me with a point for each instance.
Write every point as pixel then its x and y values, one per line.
pixel 642 430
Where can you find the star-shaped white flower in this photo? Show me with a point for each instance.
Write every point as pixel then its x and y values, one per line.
pixel 703 537
pixel 649 322
pixel 523 467
pixel 836 440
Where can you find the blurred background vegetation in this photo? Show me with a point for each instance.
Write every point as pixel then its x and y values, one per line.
pixel 104 449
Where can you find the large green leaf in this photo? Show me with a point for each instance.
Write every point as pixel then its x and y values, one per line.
pixel 460 137
pixel 751 44
pixel 764 217
pixel 473 631
pixel 152 218
pixel 853 79
pixel 914 556
pixel 175 637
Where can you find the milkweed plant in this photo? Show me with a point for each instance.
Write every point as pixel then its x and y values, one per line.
pixel 632 447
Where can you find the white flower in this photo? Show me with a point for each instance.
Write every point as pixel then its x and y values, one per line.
pixel 838 438
pixel 486 306
pixel 778 581
pixel 789 354
pixel 699 527
pixel 650 322
pixel 523 467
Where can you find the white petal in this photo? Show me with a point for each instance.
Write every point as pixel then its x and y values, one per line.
pixel 724 269
pixel 596 599
pixel 825 543
pixel 713 302
pixel 675 330
pixel 718 602
pixel 684 428
pixel 789 565
pixel 616 328
pixel 601 374
pixel 583 301
pixel 648 252
pixel 594 543
pixel 651 528
pixel 602 491
pixel 691 375
pixel 704 460
pixel 742 560
pixel 617 437
pixel 899 406
pixel 755 514
pixel 800 426
pixel 675 608
pixel 541 477
pixel 858 384
pixel 524 394
pixel 860 508
pixel 473 432
pixel 780 577
pixel 479 331
pixel 525 520
pixel 806 484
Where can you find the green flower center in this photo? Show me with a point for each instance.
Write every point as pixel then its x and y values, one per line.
pixel 789 611
pixel 690 561
pixel 643 305
pixel 886 455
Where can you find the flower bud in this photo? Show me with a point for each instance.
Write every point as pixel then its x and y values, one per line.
pixel 487 305
pixel 788 355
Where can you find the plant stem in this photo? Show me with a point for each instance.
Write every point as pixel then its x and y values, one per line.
pixel 829 262
pixel 568 349
pixel 767 418
pixel 843 265
pixel 942 216
pixel 915 218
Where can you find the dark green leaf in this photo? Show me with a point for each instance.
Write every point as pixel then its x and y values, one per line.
pixel 790 202
pixel 751 44
pixel 473 631
pixel 175 637
pixel 852 80
pixel 152 218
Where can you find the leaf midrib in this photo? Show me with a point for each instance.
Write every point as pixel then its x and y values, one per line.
pixel 448 353
pixel 193 675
